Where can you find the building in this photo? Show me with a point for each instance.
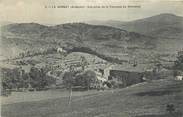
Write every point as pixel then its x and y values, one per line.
pixel 105 71
pixel 61 50
pixel 180 53
pixel 179 77
pixel 126 78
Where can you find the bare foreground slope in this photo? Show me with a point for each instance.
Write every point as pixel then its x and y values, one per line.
pixel 142 100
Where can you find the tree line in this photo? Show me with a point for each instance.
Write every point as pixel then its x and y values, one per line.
pixel 85 80
pixel 178 65
pixel 17 78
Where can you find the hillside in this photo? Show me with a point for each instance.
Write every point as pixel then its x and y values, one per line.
pixel 102 39
pixel 143 100
pixel 162 25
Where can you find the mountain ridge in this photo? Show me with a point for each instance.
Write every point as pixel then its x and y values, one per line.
pixel 108 40
pixel 102 38
pixel 150 25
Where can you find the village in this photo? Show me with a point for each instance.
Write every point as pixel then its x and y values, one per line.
pixel 88 72
pixel 118 58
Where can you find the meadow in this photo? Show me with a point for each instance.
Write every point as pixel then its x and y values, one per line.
pixel 148 99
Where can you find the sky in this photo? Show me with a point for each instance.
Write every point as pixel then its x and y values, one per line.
pixel 21 11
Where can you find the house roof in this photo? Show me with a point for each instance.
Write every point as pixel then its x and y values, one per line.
pixel 131 68
pixel 124 67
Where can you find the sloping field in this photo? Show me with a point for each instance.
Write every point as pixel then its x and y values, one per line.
pixel 142 100
pixel 17 97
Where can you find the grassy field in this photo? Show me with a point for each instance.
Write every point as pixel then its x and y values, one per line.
pixel 17 97
pixel 142 100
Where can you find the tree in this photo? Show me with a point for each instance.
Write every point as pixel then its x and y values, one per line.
pixel 86 80
pixel 89 78
pixel 170 108
pixel 35 78
pixel 84 62
pixel 68 81
pixel 39 79
pixel 13 78
pixel 179 63
pixel 79 80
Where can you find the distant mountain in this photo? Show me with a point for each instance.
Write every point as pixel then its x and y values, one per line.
pixel 113 23
pixel 24 28
pixel 103 39
pixel 162 25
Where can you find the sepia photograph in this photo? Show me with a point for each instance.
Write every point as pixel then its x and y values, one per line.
pixel 91 58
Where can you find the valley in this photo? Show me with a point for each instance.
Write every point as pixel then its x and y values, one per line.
pixel 93 69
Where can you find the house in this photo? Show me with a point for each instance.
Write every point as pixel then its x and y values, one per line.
pixel 126 75
pixel 179 77
pixel 100 77
pixel 120 74
pixel 105 71
pixel 100 81
pixel 61 50
pixel 126 78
